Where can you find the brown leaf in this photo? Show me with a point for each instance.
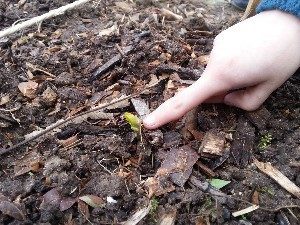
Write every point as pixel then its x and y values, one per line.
pixel 66 203
pixel 93 200
pixel 84 209
pixel 255 198
pixel 69 141
pixel 52 197
pixel 28 88
pixel 203 59
pixel 12 209
pixel 158 186
pixel 201 221
pixel 49 95
pixel 30 162
pixel 4 99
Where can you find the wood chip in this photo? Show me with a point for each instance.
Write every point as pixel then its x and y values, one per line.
pixel 213 144
pixel 169 15
pixel 176 167
pixel 30 162
pixel 138 216
pixel 28 89
pixel 168 218
pixel 280 178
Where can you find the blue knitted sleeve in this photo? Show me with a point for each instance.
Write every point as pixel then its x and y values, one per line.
pixel 290 6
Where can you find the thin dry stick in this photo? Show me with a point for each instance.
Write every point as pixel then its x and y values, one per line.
pixel 47 130
pixel 39 19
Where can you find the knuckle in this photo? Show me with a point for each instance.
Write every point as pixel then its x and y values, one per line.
pixel 250 106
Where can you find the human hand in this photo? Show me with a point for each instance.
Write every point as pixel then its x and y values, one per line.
pixel 248 62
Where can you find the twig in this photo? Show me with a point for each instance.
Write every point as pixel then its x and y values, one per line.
pixel 39 19
pixel 60 123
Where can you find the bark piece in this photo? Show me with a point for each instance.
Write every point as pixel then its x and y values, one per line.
pixel 213 144
pixel 179 164
pixel 176 167
pixel 243 142
pixel 168 218
pixel 138 216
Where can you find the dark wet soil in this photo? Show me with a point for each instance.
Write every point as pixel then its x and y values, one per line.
pixel 40 182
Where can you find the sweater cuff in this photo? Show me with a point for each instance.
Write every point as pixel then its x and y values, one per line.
pixel 289 6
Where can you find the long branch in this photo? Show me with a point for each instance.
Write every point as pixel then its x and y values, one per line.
pixel 38 19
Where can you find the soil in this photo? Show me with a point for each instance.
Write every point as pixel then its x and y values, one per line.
pixel 40 182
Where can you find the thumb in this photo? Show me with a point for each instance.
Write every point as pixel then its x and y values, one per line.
pixel 184 101
pixel 249 99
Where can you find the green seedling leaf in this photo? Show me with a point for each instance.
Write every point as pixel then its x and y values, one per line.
pixel 93 200
pixel 134 122
pixel 218 183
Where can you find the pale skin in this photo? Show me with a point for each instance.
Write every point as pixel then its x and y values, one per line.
pixel 248 62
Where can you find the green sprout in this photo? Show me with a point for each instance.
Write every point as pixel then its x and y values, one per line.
pixel 265 141
pixel 267 190
pixel 153 209
pixel 154 206
pixel 134 122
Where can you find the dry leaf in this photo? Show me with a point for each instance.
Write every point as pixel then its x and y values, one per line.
pixel 4 99
pixel 124 6
pixel 12 209
pixel 49 95
pixel 52 197
pixel 203 59
pixel 93 200
pixel 28 89
pixel 69 141
pixel 30 162
pixel 280 178
pixel 255 198
pixel 140 106
pixel 158 186
pixel 109 31
pixel 66 203
pixel 84 209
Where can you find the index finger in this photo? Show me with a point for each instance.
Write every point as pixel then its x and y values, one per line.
pixel 184 101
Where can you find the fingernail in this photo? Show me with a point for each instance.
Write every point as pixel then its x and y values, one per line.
pixel 149 121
